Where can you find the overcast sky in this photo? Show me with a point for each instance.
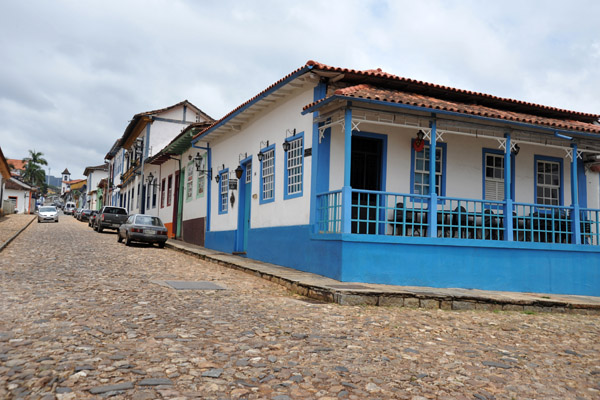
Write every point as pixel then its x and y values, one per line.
pixel 73 73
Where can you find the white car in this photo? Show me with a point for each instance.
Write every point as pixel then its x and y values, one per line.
pixel 47 213
pixel 69 208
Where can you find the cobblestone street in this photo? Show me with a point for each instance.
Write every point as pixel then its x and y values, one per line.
pixel 83 316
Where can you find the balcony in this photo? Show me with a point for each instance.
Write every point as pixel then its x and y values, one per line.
pixel 379 214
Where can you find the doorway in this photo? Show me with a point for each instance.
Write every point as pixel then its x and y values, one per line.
pixel 176 204
pixel 245 194
pixel 367 173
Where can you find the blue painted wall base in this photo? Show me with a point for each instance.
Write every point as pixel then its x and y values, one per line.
pixel 425 262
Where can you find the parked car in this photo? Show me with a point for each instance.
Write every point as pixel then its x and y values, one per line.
pixel 84 215
pixel 143 228
pixel 47 213
pixel 69 208
pixel 92 218
pixel 110 218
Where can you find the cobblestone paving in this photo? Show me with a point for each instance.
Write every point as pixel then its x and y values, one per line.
pixel 85 317
pixel 11 224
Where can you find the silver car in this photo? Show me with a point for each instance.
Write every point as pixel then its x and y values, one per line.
pixel 142 228
pixel 47 213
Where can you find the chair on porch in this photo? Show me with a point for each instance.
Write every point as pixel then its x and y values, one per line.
pixel 521 228
pixel 417 222
pixel 492 226
pixel 464 224
pixel 409 222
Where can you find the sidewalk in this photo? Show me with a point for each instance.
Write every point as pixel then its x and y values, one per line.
pixel 12 225
pixel 351 293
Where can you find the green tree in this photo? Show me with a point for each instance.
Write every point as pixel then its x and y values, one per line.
pixel 36 158
pixel 34 174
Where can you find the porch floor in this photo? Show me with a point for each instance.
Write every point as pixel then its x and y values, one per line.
pixel 321 288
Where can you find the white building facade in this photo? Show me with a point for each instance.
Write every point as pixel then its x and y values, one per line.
pixel 334 178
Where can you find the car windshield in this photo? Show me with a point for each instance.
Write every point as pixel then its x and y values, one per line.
pixel 147 220
pixel 47 209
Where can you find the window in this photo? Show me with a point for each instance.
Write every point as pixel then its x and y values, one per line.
pixel 294 166
pixel 189 185
pixel 200 180
pixel 169 189
pixel 493 176
pixel 223 191
pixel 548 181
pixel 154 185
pixel 147 196
pixel 131 199
pixel 162 193
pixel 420 170
pixel 249 172
pixel 137 202
pixel 267 175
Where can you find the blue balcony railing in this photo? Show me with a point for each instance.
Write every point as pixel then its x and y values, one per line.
pixel 396 214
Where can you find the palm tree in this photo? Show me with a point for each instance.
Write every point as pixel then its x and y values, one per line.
pixel 34 174
pixel 36 158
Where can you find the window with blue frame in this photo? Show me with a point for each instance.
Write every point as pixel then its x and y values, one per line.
pixel 420 170
pixel 548 181
pixel 267 175
pixel 294 161
pixel 493 175
pixel 223 191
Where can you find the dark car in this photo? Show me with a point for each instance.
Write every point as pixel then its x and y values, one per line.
pixel 92 218
pixel 110 217
pixel 142 228
pixel 85 214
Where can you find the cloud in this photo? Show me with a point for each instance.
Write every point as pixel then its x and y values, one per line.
pixel 76 72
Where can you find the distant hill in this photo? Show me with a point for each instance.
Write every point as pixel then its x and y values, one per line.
pixel 54 181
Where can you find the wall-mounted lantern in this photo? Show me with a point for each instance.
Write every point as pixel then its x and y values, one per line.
pixel 288 133
pixel 260 154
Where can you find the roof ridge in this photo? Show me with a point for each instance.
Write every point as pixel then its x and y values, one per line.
pixel 379 73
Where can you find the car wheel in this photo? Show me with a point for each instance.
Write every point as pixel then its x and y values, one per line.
pixel 119 238
pixel 38 220
pixel 161 245
pixel 56 220
pixel 100 229
pixel 127 241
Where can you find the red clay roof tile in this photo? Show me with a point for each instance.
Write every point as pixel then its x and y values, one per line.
pixel 365 91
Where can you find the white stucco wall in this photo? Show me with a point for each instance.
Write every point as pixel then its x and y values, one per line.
pixel 194 206
pixel 593 189
pixel 22 204
pixel 162 132
pixel 94 178
pixel 269 125
pixel 165 212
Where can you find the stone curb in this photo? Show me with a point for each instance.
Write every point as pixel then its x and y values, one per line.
pixel 13 237
pixel 400 297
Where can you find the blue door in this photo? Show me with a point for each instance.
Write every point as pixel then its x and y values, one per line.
pixel 245 193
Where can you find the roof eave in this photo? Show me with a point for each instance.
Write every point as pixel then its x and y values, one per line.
pixel 316 106
pixel 205 133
